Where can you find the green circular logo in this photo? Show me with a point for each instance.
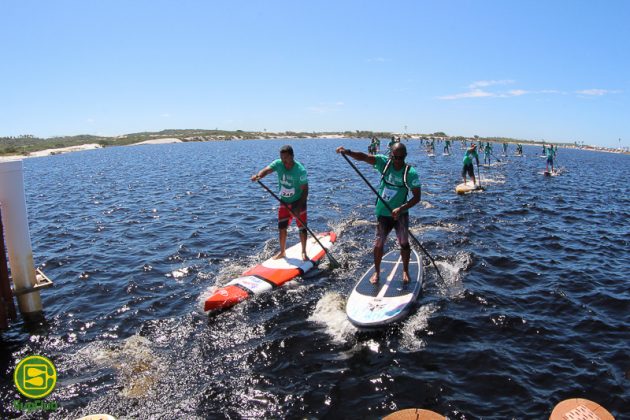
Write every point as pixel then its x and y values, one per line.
pixel 35 377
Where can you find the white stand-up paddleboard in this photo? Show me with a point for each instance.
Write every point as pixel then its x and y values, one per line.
pixel 390 300
pixel 465 187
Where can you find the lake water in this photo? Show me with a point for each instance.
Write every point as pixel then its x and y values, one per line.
pixel 534 307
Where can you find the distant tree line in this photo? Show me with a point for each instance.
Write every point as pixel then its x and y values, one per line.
pixel 27 143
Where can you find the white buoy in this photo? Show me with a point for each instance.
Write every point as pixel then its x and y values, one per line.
pixel 17 237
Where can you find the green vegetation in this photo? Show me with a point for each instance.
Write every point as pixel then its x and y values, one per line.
pixel 25 144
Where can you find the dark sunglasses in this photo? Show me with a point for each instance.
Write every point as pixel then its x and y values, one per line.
pixel 398 157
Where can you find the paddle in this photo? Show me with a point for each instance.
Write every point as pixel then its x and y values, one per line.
pixel 333 262
pixel 479 175
pixel 498 160
pixel 391 210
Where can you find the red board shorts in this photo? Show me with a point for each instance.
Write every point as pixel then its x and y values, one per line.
pixel 285 216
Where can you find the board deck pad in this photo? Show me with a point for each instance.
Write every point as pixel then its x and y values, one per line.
pixel 579 409
pixel 270 274
pixel 390 300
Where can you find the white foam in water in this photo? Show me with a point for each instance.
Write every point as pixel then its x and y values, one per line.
pixel 177 274
pixel 419 321
pixel 453 285
pixel 330 312
pixel 421 228
pixel 486 180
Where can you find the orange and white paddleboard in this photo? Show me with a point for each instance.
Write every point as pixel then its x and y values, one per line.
pixel 579 409
pixel 271 273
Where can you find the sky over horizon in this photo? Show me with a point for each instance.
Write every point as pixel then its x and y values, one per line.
pixel 553 70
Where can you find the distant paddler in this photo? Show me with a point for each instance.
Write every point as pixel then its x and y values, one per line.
pixel 293 194
pixel 505 148
pixel 391 144
pixel 374 146
pixel 468 167
pixel 447 147
pixel 397 180
pixel 487 152
pixel 551 154
pixel 519 149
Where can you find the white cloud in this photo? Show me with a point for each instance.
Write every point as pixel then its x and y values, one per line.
pixel 376 60
pixel 596 92
pixel 486 83
pixel 165 115
pixel 482 89
pixel 475 93
pixel 91 120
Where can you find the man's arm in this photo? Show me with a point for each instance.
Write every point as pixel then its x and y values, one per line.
pixel 301 202
pixel 360 156
pixel 261 174
pixel 409 204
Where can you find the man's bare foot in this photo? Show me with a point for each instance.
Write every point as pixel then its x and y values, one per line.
pixel 278 256
pixel 305 257
pixel 405 278
pixel 374 279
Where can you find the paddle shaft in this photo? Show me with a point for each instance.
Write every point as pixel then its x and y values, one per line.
pixel 301 222
pixel 479 174
pixel 390 209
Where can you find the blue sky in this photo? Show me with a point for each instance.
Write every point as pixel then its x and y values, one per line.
pixel 553 70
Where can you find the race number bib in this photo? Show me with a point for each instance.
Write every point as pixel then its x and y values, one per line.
pixel 388 194
pixel 287 192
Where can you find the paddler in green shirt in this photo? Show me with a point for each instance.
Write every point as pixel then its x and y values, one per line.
pixel 468 165
pixel 487 151
pixel 391 144
pixel 550 155
pixel 397 180
pixel 293 193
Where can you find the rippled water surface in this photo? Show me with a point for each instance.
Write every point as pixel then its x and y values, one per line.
pixel 533 307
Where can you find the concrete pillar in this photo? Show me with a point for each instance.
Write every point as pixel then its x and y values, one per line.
pixel 17 236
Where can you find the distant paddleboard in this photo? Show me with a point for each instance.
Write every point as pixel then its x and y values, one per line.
pixel 465 187
pixel 414 414
pixel 431 155
pixel 98 417
pixel 578 409
pixel 446 154
pixel 271 273
pixel 390 300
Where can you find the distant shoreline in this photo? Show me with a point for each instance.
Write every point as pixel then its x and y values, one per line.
pixel 171 140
